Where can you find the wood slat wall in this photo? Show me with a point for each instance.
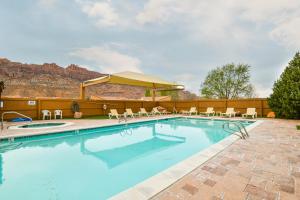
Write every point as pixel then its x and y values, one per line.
pixel 95 107
pixel 240 105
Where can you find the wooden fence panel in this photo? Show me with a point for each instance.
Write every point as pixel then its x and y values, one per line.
pixel 218 105
pixel 20 105
pixel 169 105
pixel 134 105
pixel 148 105
pixel 185 105
pixel 95 107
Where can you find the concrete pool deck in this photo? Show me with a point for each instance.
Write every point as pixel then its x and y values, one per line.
pixel 265 166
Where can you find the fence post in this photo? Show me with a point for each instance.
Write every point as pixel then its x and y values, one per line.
pixel 38 109
pixel 262 107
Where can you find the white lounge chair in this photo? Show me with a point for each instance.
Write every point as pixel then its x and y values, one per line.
pixel 46 113
pixel 193 110
pixel 144 112
pixel 229 113
pixel 250 112
pixel 209 111
pixel 163 110
pixel 155 111
pixel 58 113
pixel 130 113
pixel 114 113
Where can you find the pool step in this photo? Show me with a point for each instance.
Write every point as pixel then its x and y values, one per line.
pixel 243 134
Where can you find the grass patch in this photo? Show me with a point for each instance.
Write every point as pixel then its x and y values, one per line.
pixel 298 127
pixel 92 117
pixel 96 117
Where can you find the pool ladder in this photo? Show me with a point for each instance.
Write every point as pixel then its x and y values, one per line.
pixel 12 112
pixel 123 119
pixel 243 134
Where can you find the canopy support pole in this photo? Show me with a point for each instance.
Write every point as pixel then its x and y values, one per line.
pixel 153 92
pixel 82 91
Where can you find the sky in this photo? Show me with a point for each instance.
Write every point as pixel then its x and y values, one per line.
pixel 177 40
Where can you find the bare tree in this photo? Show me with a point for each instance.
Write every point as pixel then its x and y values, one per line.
pixel 228 82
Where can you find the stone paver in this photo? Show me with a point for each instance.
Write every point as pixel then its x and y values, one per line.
pixel 265 166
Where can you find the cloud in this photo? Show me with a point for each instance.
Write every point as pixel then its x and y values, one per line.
pixel 287 33
pixel 157 11
pixel 47 3
pixel 189 80
pixel 223 22
pixel 262 91
pixel 108 60
pixel 282 15
pixel 214 22
pixel 102 12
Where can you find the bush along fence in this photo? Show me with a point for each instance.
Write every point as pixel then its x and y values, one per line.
pixel 32 107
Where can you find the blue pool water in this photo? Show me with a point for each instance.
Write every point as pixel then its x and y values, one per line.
pixel 98 163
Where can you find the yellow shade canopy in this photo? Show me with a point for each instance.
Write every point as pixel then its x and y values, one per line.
pixel 133 78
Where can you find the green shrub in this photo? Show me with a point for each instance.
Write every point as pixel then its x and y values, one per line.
pixel 147 93
pixel 285 99
pixel 75 107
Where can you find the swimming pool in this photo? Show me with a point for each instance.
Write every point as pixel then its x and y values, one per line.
pixel 100 162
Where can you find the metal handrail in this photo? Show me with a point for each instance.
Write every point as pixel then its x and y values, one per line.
pixel 233 131
pixel 12 112
pixel 124 118
pixel 242 130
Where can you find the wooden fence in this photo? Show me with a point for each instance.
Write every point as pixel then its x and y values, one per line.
pixel 220 105
pixel 33 107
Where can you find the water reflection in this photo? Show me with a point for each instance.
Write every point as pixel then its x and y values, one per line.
pixel 212 129
pixel 127 152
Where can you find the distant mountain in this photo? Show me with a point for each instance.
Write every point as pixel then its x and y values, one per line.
pixel 51 80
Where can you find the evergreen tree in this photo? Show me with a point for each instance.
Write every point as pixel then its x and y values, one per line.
pixel 285 99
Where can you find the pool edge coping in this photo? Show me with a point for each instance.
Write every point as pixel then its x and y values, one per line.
pixel 162 180
pixel 18 127
pixel 48 131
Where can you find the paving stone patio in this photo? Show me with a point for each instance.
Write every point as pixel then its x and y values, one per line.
pixel 265 166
